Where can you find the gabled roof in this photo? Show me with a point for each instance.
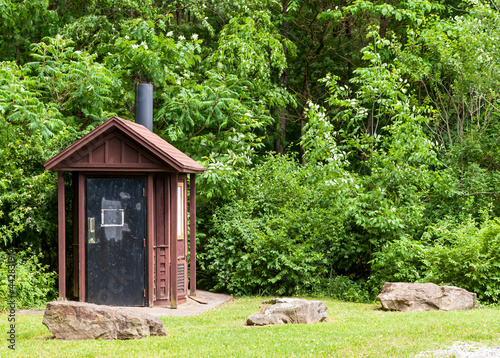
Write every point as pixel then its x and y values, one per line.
pixel 150 149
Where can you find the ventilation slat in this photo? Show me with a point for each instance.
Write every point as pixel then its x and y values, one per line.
pixel 180 278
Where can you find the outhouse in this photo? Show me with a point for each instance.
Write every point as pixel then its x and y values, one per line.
pixel 130 222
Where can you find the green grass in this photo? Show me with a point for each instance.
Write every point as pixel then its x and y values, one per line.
pixel 351 330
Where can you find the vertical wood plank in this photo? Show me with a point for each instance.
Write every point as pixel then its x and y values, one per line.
pixel 158 235
pixel 192 234
pixel 61 218
pixel 173 240
pixel 150 239
pixel 160 210
pixel 75 234
pixel 167 229
pixel 81 235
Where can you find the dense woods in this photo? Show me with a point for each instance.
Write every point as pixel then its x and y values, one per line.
pixel 347 143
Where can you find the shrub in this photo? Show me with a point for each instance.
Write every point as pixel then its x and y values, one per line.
pixel 34 285
pixel 459 254
pixel 398 261
pixel 345 289
pixel 466 256
pixel 292 227
pixel 278 233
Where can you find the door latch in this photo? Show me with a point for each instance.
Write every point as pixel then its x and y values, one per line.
pixel 91 230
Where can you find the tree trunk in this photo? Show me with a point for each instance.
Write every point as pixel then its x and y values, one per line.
pixel 178 15
pixel 384 22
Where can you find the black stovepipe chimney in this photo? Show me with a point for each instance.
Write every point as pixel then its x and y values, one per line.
pixel 144 105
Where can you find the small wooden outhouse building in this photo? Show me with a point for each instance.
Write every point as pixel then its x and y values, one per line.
pixel 130 222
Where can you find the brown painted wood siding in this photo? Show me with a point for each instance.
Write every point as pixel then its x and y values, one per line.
pixel 81 237
pixel 182 271
pixel 75 284
pixel 163 259
pixel 61 206
pixel 173 241
pixel 114 151
pixel 162 252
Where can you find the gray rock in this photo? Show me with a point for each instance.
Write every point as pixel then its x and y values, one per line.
pixel 408 297
pixel 288 310
pixel 70 320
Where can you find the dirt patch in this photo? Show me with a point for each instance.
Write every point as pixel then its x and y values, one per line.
pixel 463 350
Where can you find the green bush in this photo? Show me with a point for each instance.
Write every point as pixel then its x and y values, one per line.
pixel 466 256
pixel 34 285
pixel 276 236
pixel 345 289
pixel 288 228
pixel 398 261
pixel 292 227
pixel 459 254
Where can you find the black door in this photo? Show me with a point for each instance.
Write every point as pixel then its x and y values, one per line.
pixel 115 241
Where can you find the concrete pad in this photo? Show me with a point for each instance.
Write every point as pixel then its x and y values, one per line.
pixel 190 308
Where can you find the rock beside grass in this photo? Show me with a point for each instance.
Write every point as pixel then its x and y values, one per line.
pixel 288 310
pixel 408 297
pixel 70 320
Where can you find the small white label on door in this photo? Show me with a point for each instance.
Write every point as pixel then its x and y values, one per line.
pixel 112 217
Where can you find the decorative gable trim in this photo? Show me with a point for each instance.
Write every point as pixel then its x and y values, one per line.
pixel 113 151
pixel 120 144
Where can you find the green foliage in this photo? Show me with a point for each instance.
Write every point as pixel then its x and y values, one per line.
pixel 269 237
pixel 345 289
pixel 291 227
pixel 20 106
pixel 399 261
pixel 388 111
pixel 27 192
pixel 455 62
pixel 251 47
pixel 78 84
pixel 459 254
pixel 466 256
pixel 146 51
pixel 23 22
pixel 34 285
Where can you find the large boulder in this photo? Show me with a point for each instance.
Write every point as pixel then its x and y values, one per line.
pixel 70 320
pixel 408 297
pixel 288 310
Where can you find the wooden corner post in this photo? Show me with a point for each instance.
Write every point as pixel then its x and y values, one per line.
pixel 150 240
pixel 192 234
pixel 61 218
pixel 81 237
pixel 76 272
pixel 173 240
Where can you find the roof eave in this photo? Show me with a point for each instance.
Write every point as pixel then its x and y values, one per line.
pixel 57 160
pixel 61 156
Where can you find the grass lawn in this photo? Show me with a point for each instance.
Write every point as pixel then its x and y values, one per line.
pixel 351 330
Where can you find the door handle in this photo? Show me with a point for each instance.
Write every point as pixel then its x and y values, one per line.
pixel 91 230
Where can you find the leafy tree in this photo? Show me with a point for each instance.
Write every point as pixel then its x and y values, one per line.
pixel 387 112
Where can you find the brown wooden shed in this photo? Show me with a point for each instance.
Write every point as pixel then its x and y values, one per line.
pixel 130 223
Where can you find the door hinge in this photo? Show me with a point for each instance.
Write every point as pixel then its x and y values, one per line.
pixel 144 242
pixel 143 191
pixel 144 292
